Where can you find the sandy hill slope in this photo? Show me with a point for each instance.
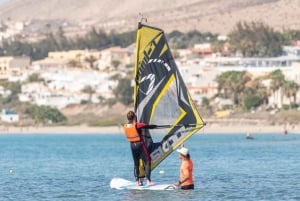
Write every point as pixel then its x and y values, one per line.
pixel 217 16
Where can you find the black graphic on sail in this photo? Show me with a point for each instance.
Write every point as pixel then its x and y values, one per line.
pixel 161 96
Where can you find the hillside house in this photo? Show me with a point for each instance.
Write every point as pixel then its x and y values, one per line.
pixel 48 64
pixel 13 66
pixel 199 81
pixel 123 55
pixel 9 116
pixel 80 57
pixel 201 50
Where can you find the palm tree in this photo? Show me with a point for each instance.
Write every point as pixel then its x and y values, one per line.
pixel 115 64
pixel 290 90
pixel 89 90
pixel 239 80
pixel 261 90
pixel 73 63
pixel 277 81
pixel 232 84
pixel 90 60
pixel 223 84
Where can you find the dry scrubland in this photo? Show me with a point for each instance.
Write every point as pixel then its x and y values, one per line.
pixel 203 15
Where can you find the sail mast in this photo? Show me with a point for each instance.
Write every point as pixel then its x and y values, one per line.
pixel 160 94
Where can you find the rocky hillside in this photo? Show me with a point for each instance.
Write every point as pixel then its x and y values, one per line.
pixel 204 15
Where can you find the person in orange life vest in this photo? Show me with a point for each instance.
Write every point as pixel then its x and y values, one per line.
pixel 138 147
pixel 186 170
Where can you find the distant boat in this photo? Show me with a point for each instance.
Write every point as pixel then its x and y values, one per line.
pixel 249 136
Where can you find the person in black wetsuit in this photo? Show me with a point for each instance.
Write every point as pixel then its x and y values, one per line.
pixel 139 149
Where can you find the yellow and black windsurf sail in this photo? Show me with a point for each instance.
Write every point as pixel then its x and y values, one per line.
pixel 161 96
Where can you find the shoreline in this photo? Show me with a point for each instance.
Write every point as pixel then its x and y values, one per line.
pixel 212 128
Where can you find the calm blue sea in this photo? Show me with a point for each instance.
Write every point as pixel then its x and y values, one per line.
pixel 80 167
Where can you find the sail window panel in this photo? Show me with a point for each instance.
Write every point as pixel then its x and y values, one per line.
pixel 166 109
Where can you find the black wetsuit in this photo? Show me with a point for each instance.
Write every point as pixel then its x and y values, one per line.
pixel 137 154
pixel 140 150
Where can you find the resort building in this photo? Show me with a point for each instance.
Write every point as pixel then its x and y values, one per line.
pixel 13 66
pixel 123 56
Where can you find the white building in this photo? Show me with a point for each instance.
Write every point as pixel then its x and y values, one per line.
pixel 65 87
pixel 9 116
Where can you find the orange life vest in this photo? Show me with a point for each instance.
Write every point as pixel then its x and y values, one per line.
pixel 132 133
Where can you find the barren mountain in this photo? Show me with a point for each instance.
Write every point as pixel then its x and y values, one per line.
pixel 217 16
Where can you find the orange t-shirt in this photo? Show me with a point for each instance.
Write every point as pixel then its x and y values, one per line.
pixel 186 169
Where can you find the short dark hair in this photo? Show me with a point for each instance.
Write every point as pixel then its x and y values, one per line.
pixel 130 115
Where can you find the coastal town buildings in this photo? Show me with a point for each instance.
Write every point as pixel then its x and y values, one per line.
pixel 200 73
pixel 11 67
pixel 123 56
pixel 66 75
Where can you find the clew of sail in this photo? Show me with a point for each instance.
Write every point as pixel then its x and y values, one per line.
pixel 161 96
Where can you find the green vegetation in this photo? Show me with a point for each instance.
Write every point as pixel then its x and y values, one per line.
pixel 39 114
pixel 89 90
pixel 252 101
pixel 115 64
pixel 179 40
pixel 12 98
pixel 290 90
pixel 248 38
pixel 45 114
pixel 95 39
pixel 291 36
pixel 233 85
pixel 91 60
pixel 124 91
pixel 255 40
pixel 35 77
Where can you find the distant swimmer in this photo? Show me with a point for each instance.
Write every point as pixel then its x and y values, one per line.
pixel 285 132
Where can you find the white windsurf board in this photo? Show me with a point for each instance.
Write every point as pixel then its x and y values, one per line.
pixel 123 184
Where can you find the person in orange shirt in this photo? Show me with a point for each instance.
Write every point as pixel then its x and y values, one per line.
pixel 186 181
pixel 138 147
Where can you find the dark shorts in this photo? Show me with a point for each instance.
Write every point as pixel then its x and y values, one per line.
pixel 187 187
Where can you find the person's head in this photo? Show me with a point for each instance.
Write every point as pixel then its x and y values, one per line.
pixel 131 116
pixel 183 153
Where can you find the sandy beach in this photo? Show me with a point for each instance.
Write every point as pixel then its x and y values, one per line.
pixel 208 129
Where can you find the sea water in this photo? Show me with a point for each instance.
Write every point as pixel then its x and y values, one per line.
pixel 80 167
